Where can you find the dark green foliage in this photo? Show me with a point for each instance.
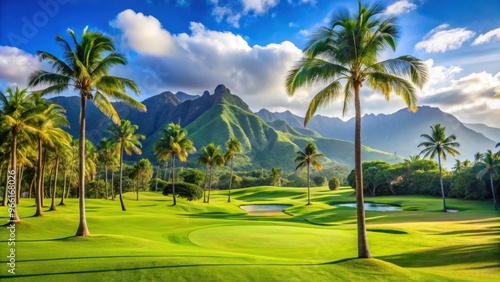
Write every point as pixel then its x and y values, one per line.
pixel 250 181
pixel 184 190
pixel 193 176
pixel 319 180
pixel 466 185
pixel 223 183
pixel 334 184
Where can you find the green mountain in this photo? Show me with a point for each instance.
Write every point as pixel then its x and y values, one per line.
pixel 214 118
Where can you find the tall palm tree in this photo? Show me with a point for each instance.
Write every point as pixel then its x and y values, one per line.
pixel 307 158
pixel 347 51
pixel 209 156
pixel 18 116
pixel 439 144
pixel 85 68
pixel 125 140
pixel 490 164
pixel 233 146
pixel 173 143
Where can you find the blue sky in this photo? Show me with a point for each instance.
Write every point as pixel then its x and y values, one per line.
pixel 249 45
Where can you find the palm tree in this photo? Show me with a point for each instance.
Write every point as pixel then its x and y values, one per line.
pixel 18 116
pixel 85 69
pixel 125 140
pixel 347 50
pixel 439 144
pixel 106 153
pixel 233 146
pixel 458 165
pixel 276 175
pixel 209 156
pixel 489 164
pixel 173 142
pixel 478 156
pixel 306 159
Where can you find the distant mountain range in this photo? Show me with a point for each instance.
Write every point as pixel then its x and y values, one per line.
pixel 271 139
pixel 398 132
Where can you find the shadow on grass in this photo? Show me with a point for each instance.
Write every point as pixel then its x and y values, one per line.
pixel 451 255
pixel 212 265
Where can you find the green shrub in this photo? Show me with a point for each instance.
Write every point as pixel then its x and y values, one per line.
pixel 334 184
pixel 184 190
pixel 319 180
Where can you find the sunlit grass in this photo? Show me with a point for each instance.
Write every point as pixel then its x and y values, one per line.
pixel 193 241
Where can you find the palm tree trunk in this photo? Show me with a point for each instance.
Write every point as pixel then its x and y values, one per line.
pixel 363 251
pixel 209 185
pixel 4 199
pixel 157 175
pixel 39 182
pixel 230 182
pixel 31 185
pixel 173 180
pixel 82 227
pixel 14 217
pixel 69 180
pixel 61 203
pixel 53 204
pixel 441 181
pixel 493 190
pixel 112 184
pixel 166 170
pixel 205 185
pixel 20 174
pixel 308 184
pixel 121 176
pixel 106 180
pixel 44 163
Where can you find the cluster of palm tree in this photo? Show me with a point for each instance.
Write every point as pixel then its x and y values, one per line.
pixel 174 143
pixel 437 143
pixel 28 121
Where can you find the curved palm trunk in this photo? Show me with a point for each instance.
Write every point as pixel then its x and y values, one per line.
pixel 14 217
pixel 209 185
pixel 39 182
pixel 65 174
pixel 230 182
pixel 53 203
pixel 173 180
pixel 308 184
pixel 441 181
pixel 121 176
pixel 363 251
pixel 493 190
pixel 82 227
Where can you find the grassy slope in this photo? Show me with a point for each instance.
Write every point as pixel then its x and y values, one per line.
pixel 218 242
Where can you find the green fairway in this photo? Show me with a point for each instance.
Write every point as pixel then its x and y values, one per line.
pixel 193 241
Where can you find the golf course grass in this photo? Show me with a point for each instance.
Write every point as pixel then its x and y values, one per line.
pixel 195 241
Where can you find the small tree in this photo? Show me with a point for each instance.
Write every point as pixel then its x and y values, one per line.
pixel 306 159
pixel 319 180
pixel 334 184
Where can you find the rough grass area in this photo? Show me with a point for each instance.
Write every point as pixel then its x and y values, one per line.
pixel 193 241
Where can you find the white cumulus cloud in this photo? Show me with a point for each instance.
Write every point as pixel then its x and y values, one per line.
pixel 400 7
pixel 144 33
pixel 492 35
pixel 258 7
pixel 442 39
pixel 16 65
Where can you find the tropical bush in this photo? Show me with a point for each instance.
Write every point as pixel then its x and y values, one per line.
pixel 184 190
pixel 334 184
